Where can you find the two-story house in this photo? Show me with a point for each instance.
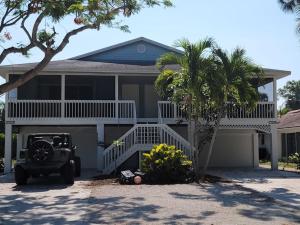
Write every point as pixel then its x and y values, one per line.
pixel 109 94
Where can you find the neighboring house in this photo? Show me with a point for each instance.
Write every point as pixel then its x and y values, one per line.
pixel 109 94
pixel 289 134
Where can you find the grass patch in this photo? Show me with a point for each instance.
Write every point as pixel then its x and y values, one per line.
pixel 281 165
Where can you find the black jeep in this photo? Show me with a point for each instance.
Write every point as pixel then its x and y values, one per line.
pixel 48 153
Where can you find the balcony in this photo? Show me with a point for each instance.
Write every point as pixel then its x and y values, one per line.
pixel 118 111
pixel 262 114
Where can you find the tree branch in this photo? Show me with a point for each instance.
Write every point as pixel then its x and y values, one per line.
pixel 35 31
pixel 66 39
pixel 26 76
pixel 50 53
pixel 22 50
pixel 13 20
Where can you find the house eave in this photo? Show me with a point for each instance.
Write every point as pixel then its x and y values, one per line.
pixel 269 73
pixel 278 74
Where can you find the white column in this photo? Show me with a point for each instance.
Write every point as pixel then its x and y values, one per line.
pixel 275 96
pixel 63 88
pixel 19 145
pixel 117 95
pixel 7 146
pixel 274 150
pixel 100 146
pixel 255 150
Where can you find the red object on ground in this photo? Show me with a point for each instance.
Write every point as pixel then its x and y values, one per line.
pixel 137 180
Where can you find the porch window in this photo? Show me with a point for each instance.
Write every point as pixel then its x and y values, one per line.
pixel 290 144
pixel 265 90
pixel 46 87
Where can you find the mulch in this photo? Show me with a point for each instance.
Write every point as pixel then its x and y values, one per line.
pixel 103 180
pixel 113 180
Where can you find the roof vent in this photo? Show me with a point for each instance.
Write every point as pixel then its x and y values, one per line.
pixel 141 48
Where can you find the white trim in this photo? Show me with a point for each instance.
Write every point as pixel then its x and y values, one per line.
pixel 255 150
pixel 100 148
pixel 278 74
pixel 275 95
pixel 127 43
pixel 117 96
pixel 8 145
pixel 289 130
pixel 63 92
pixel 274 151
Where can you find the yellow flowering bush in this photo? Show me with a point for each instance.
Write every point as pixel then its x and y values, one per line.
pixel 165 163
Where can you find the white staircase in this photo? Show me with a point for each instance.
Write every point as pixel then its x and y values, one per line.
pixel 142 137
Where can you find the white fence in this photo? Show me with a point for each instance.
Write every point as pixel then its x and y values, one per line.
pixel 263 110
pixel 43 109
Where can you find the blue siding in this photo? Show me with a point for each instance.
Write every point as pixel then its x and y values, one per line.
pixel 129 54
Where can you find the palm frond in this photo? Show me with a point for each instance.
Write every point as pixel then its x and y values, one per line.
pixel 168 59
pixel 288 5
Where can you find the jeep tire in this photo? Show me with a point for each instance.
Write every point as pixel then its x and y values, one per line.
pixel 20 175
pixel 77 166
pixel 68 172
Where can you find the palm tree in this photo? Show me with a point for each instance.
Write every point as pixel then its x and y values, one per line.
pixel 207 80
pixel 291 6
pixel 235 73
pixel 186 85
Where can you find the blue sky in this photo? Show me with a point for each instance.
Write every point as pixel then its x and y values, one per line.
pixel 259 26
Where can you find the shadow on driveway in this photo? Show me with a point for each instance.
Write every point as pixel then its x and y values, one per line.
pixel 50 201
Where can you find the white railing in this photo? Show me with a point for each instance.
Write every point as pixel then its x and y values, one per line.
pixel 142 137
pixel 43 109
pixel 99 109
pixel 30 109
pixel 263 110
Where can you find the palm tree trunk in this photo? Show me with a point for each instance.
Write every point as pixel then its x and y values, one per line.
pixel 192 144
pixel 212 142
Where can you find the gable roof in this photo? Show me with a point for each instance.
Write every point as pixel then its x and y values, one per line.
pixel 89 56
pixel 290 120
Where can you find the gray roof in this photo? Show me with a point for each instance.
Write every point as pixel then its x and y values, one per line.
pixel 290 120
pixel 78 66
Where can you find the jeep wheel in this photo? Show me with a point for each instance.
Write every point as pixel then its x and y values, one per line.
pixel 20 176
pixel 77 166
pixel 68 172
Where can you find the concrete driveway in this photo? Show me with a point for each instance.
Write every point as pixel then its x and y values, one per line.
pixel 48 201
pixel 280 185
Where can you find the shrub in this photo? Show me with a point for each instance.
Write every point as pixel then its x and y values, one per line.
pixel 14 145
pixel 294 158
pixel 166 164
